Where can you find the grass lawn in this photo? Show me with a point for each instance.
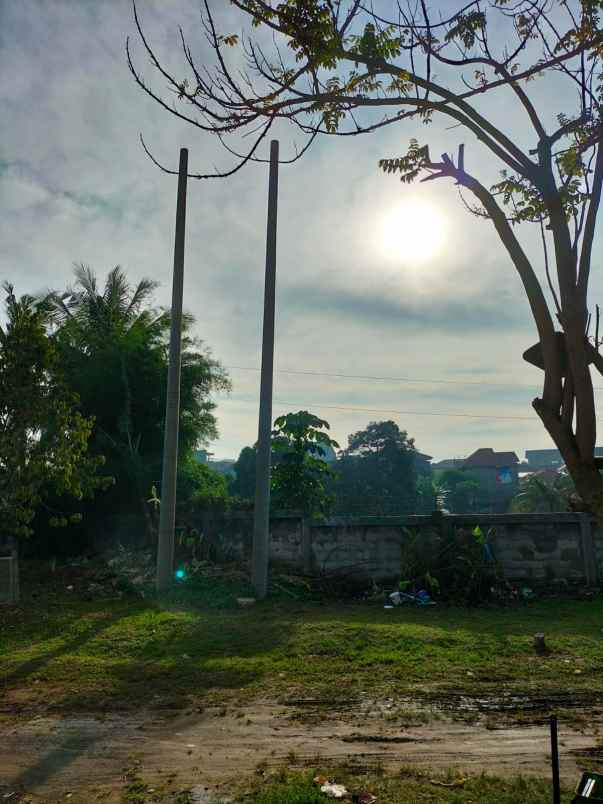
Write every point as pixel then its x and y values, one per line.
pixel 407 787
pixel 114 654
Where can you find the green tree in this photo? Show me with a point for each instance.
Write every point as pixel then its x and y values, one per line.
pixel 113 346
pixel 43 436
pixel 540 495
pixel 457 490
pixel 300 474
pixel 243 484
pixel 350 69
pixel 199 485
pixel 377 473
pixel 426 494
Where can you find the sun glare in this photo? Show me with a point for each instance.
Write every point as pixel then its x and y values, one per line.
pixel 413 232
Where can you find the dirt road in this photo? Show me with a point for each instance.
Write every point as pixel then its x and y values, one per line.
pixel 87 756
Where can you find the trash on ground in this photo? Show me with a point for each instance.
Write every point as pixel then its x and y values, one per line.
pixel 246 602
pixel 364 797
pixel 590 788
pixel 330 788
pixel 456 783
pixel 420 598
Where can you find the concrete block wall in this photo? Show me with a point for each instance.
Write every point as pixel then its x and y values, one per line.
pixel 529 547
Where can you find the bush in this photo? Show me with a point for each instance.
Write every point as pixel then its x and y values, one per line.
pixel 458 566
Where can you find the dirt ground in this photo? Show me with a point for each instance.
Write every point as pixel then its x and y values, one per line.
pixel 86 758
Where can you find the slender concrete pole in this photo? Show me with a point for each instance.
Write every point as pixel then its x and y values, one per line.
pixel 555 761
pixel 167 514
pixel 261 516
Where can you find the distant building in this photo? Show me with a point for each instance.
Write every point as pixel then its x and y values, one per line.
pixel 537 459
pixel 497 475
pixel 202 455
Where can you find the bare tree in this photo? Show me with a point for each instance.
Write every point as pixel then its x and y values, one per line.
pixel 339 68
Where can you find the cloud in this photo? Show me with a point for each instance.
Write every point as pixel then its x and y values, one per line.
pixel 76 186
pixel 422 315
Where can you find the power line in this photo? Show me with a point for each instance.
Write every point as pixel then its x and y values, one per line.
pixel 385 379
pixel 398 412
pixel 411 412
pixel 393 379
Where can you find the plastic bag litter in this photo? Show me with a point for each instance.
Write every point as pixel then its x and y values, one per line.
pixel 330 788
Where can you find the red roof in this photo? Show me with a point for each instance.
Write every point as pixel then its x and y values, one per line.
pixel 488 458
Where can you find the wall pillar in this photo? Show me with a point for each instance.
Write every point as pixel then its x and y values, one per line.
pixel 588 550
pixel 306 545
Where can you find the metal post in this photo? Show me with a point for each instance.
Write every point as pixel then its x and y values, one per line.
pixel 555 761
pixel 167 513
pixel 261 516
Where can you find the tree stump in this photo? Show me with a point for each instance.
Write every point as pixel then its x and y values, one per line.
pixel 539 644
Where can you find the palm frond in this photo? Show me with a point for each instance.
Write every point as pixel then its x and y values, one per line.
pixel 116 292
pixel 85 278
pixel 143 292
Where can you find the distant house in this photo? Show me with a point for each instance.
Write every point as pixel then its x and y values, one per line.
pixel 497 475
pixel 202 455
pixel 537 459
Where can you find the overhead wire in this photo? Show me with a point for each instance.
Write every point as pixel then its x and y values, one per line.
pixel 428 381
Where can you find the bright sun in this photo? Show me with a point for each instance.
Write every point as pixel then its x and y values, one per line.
pixel 413 232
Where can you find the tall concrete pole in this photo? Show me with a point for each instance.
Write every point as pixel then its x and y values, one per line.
pixel 261 517
pixel 167 514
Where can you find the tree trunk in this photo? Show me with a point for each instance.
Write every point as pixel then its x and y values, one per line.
pixel 589 485
pixel 149 526
pixel 583 470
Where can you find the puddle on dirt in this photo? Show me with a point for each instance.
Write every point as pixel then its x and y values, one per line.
pixel 512 703
pixel 497 710
pixel 377 738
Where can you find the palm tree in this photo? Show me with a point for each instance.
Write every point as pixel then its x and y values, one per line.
pixel 119 311
pixel 114 349
pixel 104 331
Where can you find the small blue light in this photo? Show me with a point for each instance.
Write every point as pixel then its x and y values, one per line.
pixel 180 574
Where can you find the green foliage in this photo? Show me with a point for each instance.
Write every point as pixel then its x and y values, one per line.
pixel 466 28
pixel 308 26
pixel 377 473
pixel 243 484
pixel 200 485
pixel 300 475
pixel 426 494
pixel 43 435
pixel 113 347
pixel 457 490
pixel 409 166
pixel 374 44
pixel 540 495
pixel 456 566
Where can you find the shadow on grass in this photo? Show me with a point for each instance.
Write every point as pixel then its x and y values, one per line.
pixel 38 663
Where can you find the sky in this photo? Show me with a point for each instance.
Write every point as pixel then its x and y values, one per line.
pixel 392 301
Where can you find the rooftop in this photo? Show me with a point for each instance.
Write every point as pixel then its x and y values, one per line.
pixel 486 457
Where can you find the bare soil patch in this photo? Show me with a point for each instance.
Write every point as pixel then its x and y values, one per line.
pixel 49 756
